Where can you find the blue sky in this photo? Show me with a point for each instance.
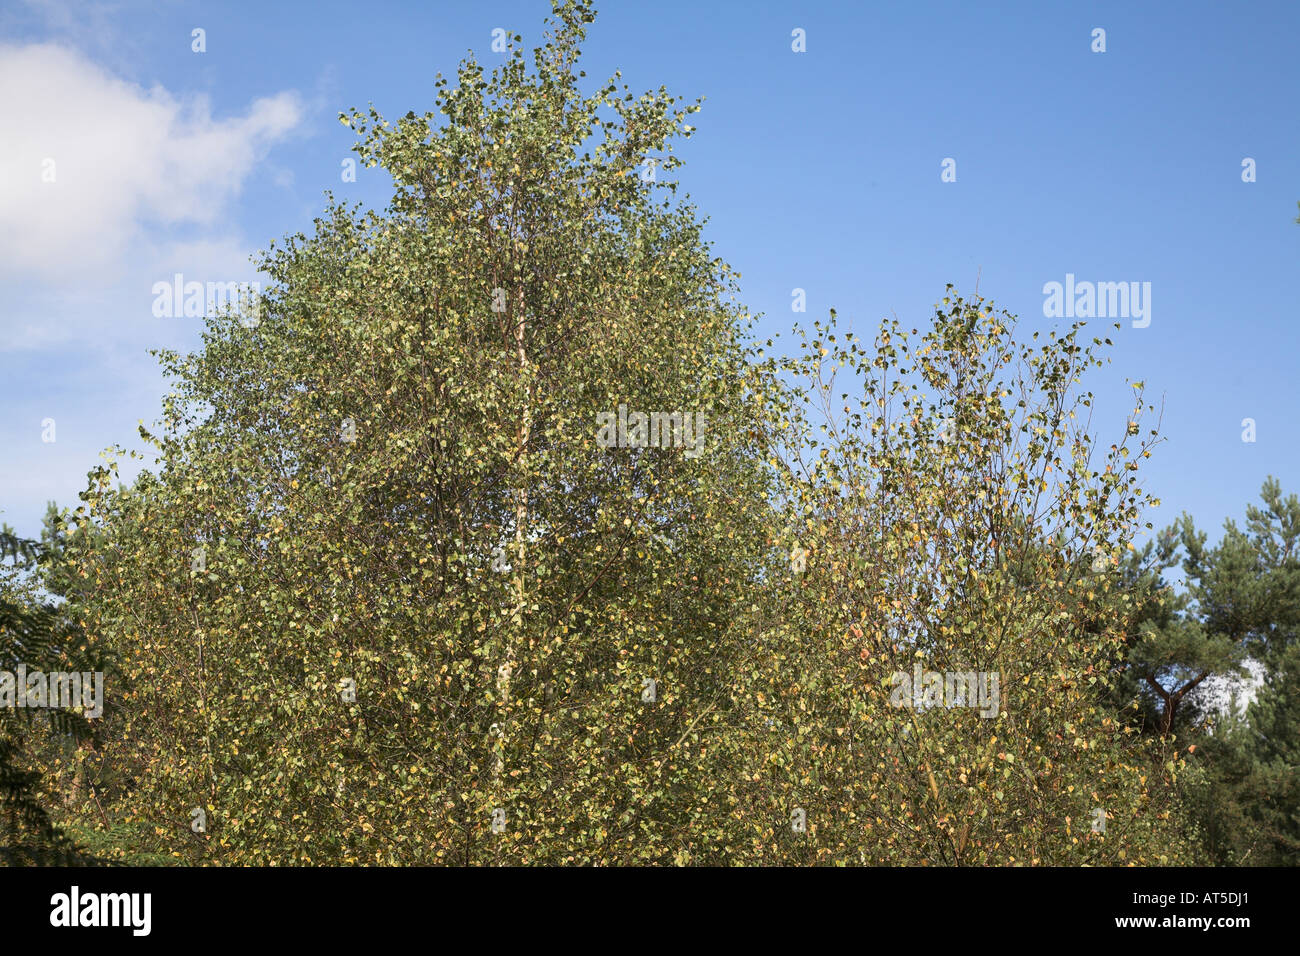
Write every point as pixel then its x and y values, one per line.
pixel 818 170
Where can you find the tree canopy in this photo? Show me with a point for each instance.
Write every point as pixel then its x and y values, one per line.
pixel 496 536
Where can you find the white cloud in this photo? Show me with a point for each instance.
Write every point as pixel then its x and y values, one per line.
pixel 125 159
pixel 114 311
pixel 1231 694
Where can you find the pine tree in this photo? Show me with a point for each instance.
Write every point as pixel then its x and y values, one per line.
pixel 1241 603
pixel 30 634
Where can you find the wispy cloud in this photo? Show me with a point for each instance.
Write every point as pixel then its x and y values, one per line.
pixel 92 163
